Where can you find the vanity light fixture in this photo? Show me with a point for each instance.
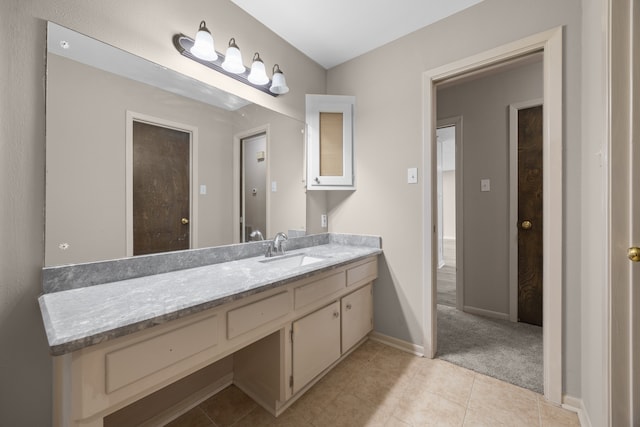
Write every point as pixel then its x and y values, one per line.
pixel 202 51
pixel 279 84
pixel 203 47
pixel 258 74
pixel 233 59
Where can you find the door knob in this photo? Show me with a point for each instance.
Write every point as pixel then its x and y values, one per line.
pixel 634 254
pixel 526 224
pixel 185 221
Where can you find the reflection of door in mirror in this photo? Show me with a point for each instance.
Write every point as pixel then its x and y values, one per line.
pixel 161 196
pixel 253 201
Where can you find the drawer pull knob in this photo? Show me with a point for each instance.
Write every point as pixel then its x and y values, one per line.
pixel 349 306
pixel 336 314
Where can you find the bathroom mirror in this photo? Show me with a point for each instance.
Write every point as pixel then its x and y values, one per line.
pixel 100 102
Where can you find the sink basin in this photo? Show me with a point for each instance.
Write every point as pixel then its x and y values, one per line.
pixel 292 261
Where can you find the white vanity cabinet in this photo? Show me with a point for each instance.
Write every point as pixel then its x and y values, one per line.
pixel 281 340
pixel 330 142
pixel 357 316
pixel 315 344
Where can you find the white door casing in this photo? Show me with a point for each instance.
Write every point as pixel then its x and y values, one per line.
pixel 551 44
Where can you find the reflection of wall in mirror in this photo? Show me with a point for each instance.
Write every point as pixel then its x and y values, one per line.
pixel 85 194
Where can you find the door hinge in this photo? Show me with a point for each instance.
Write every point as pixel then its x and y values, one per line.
pixel 291 381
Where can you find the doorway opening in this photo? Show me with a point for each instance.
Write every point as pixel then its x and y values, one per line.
pixel 253 187
pixel 549 45
pixel 161 207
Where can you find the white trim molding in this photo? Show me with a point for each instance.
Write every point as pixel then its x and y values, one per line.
pixel 550 43
pixel 576 405
pixel 406 346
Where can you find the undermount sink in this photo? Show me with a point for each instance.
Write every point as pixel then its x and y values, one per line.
pixel 292 261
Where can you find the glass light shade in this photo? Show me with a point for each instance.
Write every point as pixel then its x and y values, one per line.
pixel 279 84
pixel 258 74
pixel 233 59
pixel 203 46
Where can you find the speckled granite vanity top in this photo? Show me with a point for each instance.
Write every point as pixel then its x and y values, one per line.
pixel 86 304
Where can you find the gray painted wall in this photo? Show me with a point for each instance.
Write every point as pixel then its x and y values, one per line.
pixel 484 107
pixel 389 126
pixel 144 28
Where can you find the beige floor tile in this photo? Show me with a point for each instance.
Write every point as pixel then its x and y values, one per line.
pixel 395 422
pixel 429 409
pixel 259 417
pixel 379 385
pixel 194 418
pixel 551 415
pixel 348 410
pixel 228 406
pixel 505 403
pixel 474 418
pixel 444 379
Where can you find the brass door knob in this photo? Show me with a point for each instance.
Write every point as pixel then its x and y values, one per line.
pixel 185 221
pixel 526 224
pixel 634 254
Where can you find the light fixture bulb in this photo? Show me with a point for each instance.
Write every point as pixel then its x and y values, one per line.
pixel 203 47
pixel 233 59
pixel 258 74
pixel 279 84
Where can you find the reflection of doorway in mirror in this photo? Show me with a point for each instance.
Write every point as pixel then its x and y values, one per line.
pixel 161 189
pixel 253 197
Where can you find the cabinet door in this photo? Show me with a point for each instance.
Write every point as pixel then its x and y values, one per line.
pixel 330 142
pixel 316 344
pixel 357 316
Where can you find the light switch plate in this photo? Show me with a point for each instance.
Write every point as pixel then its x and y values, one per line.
pixel 412 176
pixel 485 185
pixel 274 186
pixel 203 189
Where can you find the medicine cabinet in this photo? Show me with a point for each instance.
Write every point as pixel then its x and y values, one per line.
pixel 330 147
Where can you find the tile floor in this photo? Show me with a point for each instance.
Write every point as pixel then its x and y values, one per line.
pixel 378 385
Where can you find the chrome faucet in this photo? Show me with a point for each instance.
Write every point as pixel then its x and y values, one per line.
pixel 275 246
pixel 256 235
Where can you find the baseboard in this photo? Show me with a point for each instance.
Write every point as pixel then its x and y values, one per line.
pixel 486 313
pixel 576 405
pixel 189 403
pixel 414 349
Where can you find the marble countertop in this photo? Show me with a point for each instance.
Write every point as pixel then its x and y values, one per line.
pixel 77 318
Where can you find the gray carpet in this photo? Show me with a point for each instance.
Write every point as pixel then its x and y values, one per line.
pixel 509 351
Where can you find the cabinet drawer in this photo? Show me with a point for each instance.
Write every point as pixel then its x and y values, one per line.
pixel 129 364
pixel 250 316
pixel 319 289
pixel 363 273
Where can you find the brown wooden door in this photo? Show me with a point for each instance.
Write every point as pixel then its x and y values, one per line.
pixel 161 200
pixel 530 215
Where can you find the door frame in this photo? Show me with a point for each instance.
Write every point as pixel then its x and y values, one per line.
pixel 550 43
pixel 132 116
pixel 238 182
pixel 513 203
pixel 457 122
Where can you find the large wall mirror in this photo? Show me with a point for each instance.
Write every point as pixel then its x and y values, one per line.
pixel 131 144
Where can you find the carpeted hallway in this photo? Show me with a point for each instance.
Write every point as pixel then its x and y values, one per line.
pixel 506 350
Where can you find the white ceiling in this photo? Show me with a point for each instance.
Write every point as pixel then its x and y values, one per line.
pixel 334 31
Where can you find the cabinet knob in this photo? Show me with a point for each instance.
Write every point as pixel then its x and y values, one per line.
pixel 336 314
pixel 349 306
